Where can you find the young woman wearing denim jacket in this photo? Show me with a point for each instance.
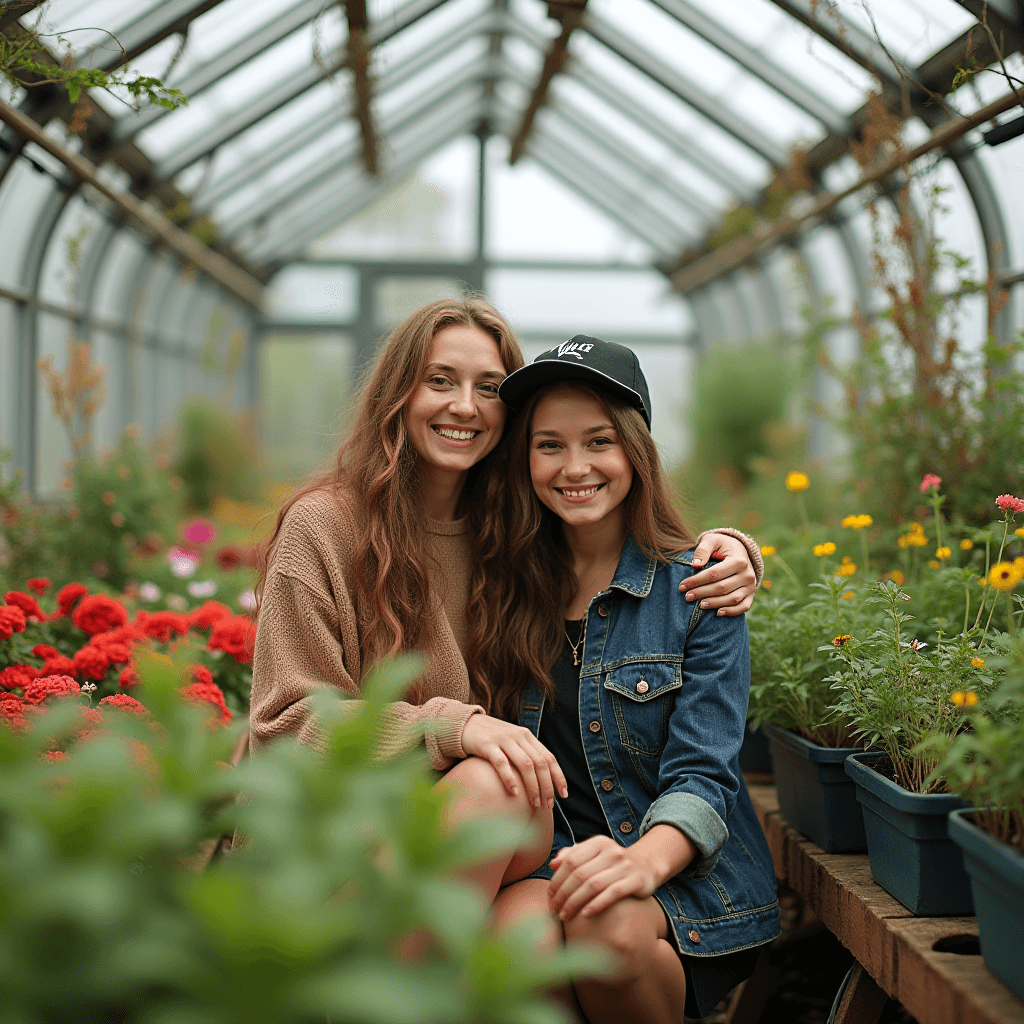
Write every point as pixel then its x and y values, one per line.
pixel 657 851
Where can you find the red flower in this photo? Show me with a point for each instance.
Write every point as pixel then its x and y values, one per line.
pixel 66 598
pixel 1008 503
pixel 54 663
pixel 39 584
pixel 126 636
pixel 160 625
pixel 930 480
pixel 12 620
pixel 234 636
pixel 92 724
pixel 17 675
pixel 55 755
pixel 40 689
pixel 209 614
pixel 27 603
pixel 12 711
pixel 122 700
pixel 98 613
pixel 210 692
pixel 128 679
pixel 91 662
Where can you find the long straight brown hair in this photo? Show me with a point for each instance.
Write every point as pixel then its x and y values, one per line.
pixel 378 467
pixel 526 579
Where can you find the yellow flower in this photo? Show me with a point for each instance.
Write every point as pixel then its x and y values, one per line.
pixel 848 595
pixel 896 576
pixel 966 545
pixel 768 549
pixel 767 584
pixel 982 582
pixel 932 564
pixel 797 481
pixel 1019 564
pixel 841 641
pixel 917 540
pixel 916 528
pixel 904 541
pixel 828 548
pixel 943 552
pixel 970 698
pixel 1005 575
pixel 1020 531
pixel 958 697
pixel 847 569
pixel 977 662
pixel 847 559
pixel 857 522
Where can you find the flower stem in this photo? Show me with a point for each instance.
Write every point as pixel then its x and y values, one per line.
pixel 803 513
pixel 864 550
pixel 786 569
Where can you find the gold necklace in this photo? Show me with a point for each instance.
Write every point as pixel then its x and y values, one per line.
pixel 575 646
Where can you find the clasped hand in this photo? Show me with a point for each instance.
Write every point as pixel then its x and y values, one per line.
pixel 592 875
pixel 508 746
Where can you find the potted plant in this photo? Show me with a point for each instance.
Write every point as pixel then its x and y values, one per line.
pixel 898 693
pixel 789 702
pixel 985 767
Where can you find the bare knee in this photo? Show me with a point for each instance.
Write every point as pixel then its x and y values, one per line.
pixel 623 931
pixel 479 789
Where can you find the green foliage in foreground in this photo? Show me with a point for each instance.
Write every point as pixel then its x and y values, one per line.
pixel 101 919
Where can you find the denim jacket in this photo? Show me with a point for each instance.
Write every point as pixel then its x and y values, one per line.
pixel 663 704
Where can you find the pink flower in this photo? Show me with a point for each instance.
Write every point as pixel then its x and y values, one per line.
pixel 199 532
pixel 1008 503
pixel 930 480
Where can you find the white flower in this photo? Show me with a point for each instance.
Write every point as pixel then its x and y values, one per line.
pixel 202 588
pixel 88 687
pixel 183 562
pixel 149 592
pixel 247 600
pixel 176 602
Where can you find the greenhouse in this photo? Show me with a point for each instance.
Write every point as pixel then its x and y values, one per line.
pixel 219 219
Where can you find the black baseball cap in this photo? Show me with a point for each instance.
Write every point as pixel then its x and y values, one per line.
pixel 605 365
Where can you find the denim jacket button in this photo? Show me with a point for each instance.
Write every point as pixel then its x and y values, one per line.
pixel 602 611
pixel 626 827
pixel 607 785
pixel 642 686
pixel 595 726
pixel 694 937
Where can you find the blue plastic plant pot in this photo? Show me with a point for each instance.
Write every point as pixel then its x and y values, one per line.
pixel 996 871
pixel 911 854
pixel 816 796
pixel 754 753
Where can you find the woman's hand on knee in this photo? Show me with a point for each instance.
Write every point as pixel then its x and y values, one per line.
pixel 508 746
pixel 592 875
pixel 728 585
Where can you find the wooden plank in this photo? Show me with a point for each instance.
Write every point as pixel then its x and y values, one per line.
pixel 863 1001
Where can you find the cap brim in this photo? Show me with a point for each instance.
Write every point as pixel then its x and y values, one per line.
pixel 516 388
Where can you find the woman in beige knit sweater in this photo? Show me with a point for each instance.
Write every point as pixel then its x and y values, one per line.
pixel 381 555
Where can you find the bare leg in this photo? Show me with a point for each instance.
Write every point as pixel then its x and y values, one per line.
pixel 478 792
pixel 650 985
pixel 529 898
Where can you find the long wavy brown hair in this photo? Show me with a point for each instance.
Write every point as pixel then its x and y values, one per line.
pixel 526 579
pixel 378 466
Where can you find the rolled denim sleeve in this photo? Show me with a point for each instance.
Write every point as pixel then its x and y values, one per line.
pixel 698 773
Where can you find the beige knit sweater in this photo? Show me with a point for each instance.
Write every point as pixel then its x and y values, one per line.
pixel 308 632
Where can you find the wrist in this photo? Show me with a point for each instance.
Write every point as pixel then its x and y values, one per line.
pixel 662 853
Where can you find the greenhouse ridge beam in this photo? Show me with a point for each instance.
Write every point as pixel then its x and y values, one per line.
pixel 737 252
pixel 1003 16
pixel 554 61
pixel 215 266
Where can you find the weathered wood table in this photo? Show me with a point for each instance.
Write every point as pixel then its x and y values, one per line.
pixel 911 959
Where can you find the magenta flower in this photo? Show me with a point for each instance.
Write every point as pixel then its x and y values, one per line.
pixel 1008 503
pixel 930 480
pixel 199 532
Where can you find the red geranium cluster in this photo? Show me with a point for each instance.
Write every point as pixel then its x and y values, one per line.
pixel 98 613
pixel 203 688
pixel 234 636
pixel 27 603
pixel 161 625
pixel 12 620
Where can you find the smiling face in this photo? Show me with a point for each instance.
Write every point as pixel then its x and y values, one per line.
pixel 454 417
pixel 578 465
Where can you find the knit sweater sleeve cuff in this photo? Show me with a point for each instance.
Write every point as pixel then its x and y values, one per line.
pixel 753 550
pixel 443 731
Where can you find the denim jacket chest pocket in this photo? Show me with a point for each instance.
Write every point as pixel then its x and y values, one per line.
pixel 642 695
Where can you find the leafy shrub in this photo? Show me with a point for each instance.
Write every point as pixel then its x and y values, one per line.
pixel 103 920
pixel 215 458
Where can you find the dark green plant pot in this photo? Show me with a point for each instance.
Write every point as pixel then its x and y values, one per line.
pixel 911 854
pixel 997 883
pixel 816 796
pixel 754 753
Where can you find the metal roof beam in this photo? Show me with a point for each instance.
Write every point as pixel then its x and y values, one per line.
pixel 554 60
pixel 755 62
pixel 321 172
pixel 165 19
pixel 216 68
pixel 284 91
pixel 1003 16
pixel 690 93
pixel 317 125
pixel 289 241
pixel 359 62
